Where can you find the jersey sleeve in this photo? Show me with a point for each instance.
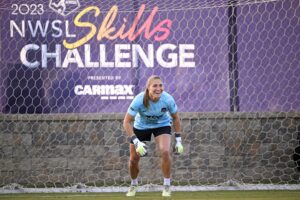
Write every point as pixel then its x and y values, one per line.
pixel 134 106
pixel 172 105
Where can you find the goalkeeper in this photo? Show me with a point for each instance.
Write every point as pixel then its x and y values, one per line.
pixel 152 112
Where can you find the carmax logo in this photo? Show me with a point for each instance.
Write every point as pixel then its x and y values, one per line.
pixel 107 92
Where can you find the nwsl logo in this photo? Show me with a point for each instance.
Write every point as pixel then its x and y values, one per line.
pixel 64 7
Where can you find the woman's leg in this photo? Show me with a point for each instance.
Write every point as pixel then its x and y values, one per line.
pixel 164 144
pixel 133 164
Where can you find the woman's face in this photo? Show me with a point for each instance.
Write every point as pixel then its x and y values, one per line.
pixel 155 89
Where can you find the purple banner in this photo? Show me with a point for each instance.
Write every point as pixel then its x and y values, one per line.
pixel 75 56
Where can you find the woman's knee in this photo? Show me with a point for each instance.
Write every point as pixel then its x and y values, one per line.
pixel 165 154
pixel 134 160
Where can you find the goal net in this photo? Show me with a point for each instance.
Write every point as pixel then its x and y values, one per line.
pixel 70 68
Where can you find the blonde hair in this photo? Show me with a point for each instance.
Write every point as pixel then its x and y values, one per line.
pixel 146 95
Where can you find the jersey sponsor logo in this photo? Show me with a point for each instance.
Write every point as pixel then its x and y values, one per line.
pixel 154 117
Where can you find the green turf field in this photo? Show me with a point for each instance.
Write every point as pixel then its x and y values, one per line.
pixel 205 195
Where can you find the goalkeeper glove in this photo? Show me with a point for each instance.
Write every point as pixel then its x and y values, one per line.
pixel 178 145
pixel 140 147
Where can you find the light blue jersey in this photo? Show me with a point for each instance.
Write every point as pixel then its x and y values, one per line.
pixel 158 113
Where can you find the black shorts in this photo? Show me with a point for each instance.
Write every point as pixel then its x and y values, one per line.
pixel 145 135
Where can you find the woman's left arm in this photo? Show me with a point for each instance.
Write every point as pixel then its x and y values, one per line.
pixel 176 122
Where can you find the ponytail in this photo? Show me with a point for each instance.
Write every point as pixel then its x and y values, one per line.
pixel 146 98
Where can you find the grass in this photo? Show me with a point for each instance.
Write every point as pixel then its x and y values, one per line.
pixel 207 195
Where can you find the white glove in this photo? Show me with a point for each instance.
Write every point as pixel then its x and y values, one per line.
pixel 178 145
pixel 140 147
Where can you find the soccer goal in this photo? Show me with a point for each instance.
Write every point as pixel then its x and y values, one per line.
pixel 69 69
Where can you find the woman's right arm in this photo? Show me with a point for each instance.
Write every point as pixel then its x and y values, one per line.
pixel 127 124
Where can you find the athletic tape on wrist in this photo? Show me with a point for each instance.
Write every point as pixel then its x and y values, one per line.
pixel 177 134
pixel 178 137
pixel 134 139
